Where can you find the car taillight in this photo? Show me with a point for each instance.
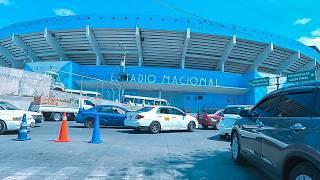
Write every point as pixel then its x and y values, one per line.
pixel 139 116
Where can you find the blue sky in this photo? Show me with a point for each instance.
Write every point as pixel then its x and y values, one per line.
pixel 295 19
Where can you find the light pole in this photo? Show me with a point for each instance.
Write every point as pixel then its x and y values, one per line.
pixel 123 65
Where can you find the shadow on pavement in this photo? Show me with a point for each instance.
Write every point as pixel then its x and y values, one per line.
pixel 132 131
pixel 207 129
pixel 10 133
pixel 101 127
pixel 199 165
pixel 218 138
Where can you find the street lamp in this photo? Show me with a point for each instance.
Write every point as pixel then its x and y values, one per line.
pixel 123 75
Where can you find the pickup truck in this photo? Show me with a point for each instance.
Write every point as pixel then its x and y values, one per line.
pixel 52 110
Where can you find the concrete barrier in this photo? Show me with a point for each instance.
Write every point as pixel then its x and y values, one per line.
pixel 16 82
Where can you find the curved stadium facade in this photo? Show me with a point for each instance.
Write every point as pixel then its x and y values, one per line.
pixel 190 62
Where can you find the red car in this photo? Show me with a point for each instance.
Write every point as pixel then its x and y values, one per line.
pixel 210 117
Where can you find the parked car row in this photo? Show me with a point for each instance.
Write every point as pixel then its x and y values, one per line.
pixel 153 119
pixel 11 116
pixel 223 119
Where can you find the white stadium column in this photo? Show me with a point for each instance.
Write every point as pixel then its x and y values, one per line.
pixel 95 46
pixel 139 46
pixel 261 57
pixel 185 48
pixel 288 62
pixel 8 56
pixel 51 40
pixel 22 45
pixel 309 65
pixel 226 53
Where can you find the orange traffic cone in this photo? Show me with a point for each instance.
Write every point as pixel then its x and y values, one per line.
pixel 63 136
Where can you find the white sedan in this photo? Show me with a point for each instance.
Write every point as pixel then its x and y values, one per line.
pixel 11 121
pixel 160 118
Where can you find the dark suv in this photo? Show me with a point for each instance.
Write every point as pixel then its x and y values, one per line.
pixel 281 134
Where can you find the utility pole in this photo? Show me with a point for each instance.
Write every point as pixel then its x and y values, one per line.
pixel 123 76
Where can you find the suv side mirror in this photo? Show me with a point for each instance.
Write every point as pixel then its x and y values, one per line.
pixel 244 113
pixel 184 113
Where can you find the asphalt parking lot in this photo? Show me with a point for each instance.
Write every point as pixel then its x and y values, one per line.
pixel 124 154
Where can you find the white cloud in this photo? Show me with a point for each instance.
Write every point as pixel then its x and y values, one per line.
pixel 310 41
pixel 302 21
pixel 4 2
pixel 316 32
pixel 63 12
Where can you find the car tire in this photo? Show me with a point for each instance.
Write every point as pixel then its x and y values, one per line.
pixel 3 127
pixel 205 126
pixel 56 116
pixel 304 170
pixel 191 126
pixel 235 149
pixel 155 127
pixel 88 123
pixel 71 117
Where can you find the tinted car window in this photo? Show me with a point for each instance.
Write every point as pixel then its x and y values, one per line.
pixel 149 102
pixel 163 111
pixel 138 101
pixel 209 111
pixel 118 110
pixel 175 112
pixel 233 110
pixel 266 107
pixel 164 103
pixel 105 109
pixel 295 105
pixel 88 103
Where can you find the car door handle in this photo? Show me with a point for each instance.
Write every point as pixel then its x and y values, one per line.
pixel 298 127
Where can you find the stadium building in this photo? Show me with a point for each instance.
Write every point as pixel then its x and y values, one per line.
pixel 190 62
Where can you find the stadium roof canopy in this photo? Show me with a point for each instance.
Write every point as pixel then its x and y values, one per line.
pixel 153 41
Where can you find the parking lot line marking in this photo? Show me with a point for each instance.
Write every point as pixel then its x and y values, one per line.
pixel 24 174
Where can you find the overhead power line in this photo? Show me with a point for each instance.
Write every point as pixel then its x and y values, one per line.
pixel 171 6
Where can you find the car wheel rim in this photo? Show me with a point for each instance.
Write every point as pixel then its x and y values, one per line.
pixel 192 126
pixel 1 127
pixel 89 123
pixel 303 177
pixel 235 147
pixel 56 117
pixel 155 128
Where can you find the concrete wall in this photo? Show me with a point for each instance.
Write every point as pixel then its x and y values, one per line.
pixel 17 82
pixel 20 102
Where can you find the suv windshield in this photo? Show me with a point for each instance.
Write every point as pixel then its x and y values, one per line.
pixel 234 110
pixel 8 106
